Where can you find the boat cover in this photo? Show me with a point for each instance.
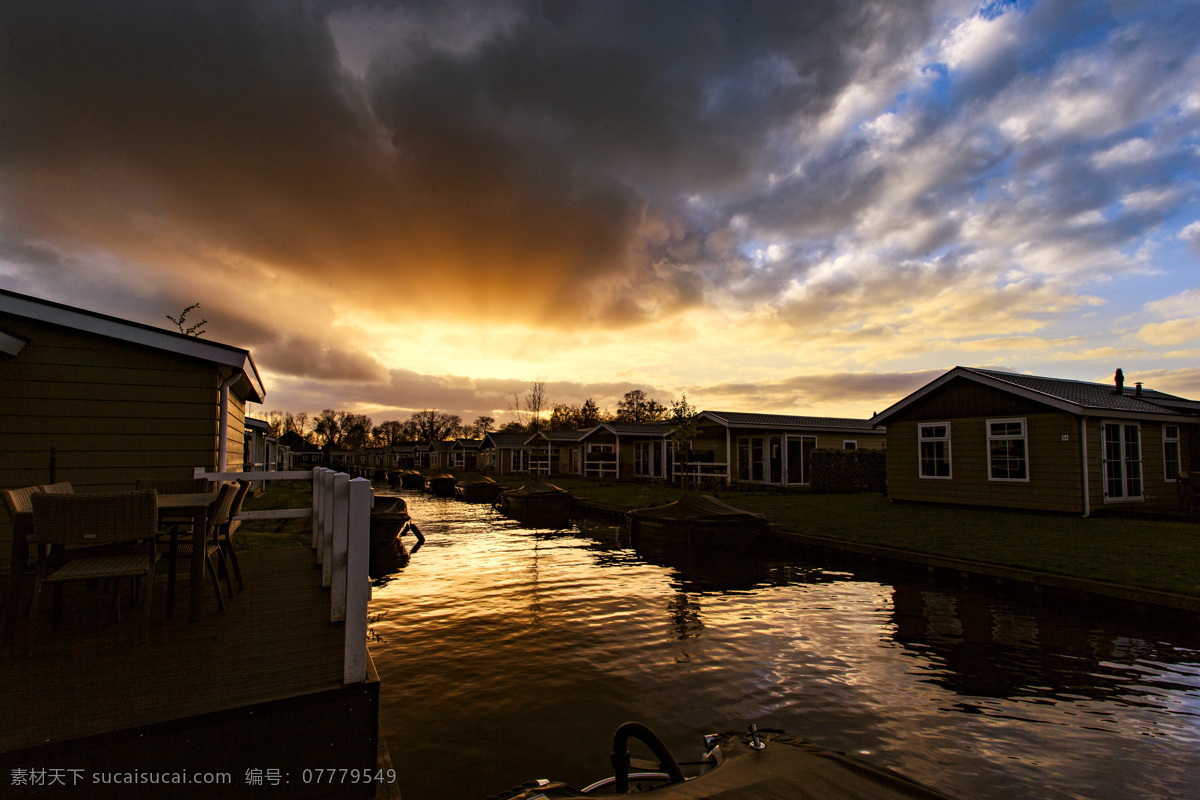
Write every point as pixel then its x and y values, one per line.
pixel 389 508
pixel 788 769
pixel 696 508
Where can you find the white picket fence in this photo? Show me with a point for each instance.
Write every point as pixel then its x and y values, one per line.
pixel 341 525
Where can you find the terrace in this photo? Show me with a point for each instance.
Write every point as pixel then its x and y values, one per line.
pixel 277 686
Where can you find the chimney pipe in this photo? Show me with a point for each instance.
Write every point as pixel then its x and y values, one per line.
pixel 1119 380
pixel 1138 389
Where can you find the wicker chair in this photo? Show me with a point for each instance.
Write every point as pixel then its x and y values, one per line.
pixel 62 487
pixel 80 527
pixel 210 548
pixel 20 510
pixel 225 532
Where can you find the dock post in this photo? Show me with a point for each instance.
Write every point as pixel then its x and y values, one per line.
pixel 317 516
pixel 337 553
pixel 327 529
pixel 358 585
pixel 318 512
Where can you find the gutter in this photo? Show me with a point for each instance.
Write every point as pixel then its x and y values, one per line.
pixel 1083 458
pixel 223 441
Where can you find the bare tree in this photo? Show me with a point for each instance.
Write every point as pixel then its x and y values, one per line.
pixel 388 433
pixel 636 406
pixel 685 427
pixel 196 330
pixel 356 430
pixel 328 428
pixel 516 408
pixel 481 426
pixel 274 420
pixel 431 425
pixel 535 403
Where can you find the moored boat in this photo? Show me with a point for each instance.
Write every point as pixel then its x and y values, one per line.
pixel 483 490
pixel 388 520
pixel 441 485
pixel 738 766
pixel 411 479
pixel 700 520
pixel 536 498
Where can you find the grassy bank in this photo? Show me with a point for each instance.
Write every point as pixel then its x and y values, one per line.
pixel 1151 554
pixel 264 534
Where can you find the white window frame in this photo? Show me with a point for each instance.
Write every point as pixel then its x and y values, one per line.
pixel 921 440
pixel 1023 438
pixel 849 444
pixel 1170 440
pixel 1122 426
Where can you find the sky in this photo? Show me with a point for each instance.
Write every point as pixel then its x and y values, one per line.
pixel 797 207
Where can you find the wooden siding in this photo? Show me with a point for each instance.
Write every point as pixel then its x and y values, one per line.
pixel 113 411
pixel 1054 467
pixel 964 398
pixel 1055 475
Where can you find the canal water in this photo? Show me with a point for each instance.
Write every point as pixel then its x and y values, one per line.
pixel 508 653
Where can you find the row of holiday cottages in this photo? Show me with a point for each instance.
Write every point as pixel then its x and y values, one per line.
pixel 972 436
pixel 102 401
pixel 768 449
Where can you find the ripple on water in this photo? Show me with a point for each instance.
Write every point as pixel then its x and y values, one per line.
pixel 526 648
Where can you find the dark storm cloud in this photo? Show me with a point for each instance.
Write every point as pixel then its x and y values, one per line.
pixel 522 167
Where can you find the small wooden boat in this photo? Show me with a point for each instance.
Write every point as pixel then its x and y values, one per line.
pixel 411 479
pixel 535 499
pixel 441 485
pixel 738 765
pixel 484 490
pixel 700 520
pixel 388 520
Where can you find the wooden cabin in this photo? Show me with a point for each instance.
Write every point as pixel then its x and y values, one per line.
pixel 504 453
pixel 989 438
pixel 627 450
pixel 439 455
pixel 555 452
pixel 464 454
pixel 770 449
pixel 115 400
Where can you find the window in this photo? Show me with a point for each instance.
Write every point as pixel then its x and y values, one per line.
pixel 520 461
pixel 643 458
pixel 1171 461
pixel 751 459
pixel 933 441
pixel 1122 461
pixel 1008 456
pixel 849 444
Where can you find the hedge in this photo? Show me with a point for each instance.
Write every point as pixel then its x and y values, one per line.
pixel 847 471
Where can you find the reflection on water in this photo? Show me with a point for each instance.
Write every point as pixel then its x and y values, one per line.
pixel 508 653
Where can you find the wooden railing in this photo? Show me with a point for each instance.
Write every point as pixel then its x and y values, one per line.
pixel 341 525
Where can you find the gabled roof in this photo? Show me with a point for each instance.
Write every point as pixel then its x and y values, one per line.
pixel 1075 397
pixel 735 419
pixel 505 440
pixel 468 444
pixel 442 447
pixel 249 385
pixel 559 436
pixel 655 429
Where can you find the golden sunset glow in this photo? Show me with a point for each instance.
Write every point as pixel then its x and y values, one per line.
pixel 788 209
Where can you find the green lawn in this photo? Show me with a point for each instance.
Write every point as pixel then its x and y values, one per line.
pixel 1153 554
pixel 1162 555
pixel 265 534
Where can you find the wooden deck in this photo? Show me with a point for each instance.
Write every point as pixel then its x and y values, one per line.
pixel 258 687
